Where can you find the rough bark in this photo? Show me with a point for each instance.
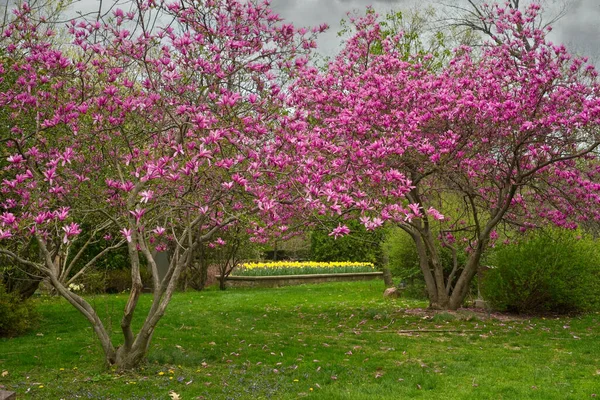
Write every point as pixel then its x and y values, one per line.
pixel 387 278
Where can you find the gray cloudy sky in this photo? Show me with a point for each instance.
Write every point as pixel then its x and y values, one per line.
pixel 579 29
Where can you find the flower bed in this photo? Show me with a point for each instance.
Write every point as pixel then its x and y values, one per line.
pixel 286 268
pixel 284 273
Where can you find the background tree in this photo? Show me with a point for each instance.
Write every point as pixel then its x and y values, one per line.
pixel 417 34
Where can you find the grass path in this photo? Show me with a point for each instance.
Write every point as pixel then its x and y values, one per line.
pixel 327 341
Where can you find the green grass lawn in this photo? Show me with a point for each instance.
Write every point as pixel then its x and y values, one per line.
pixel 327 341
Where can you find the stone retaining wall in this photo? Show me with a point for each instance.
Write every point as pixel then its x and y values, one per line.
pixel 287 280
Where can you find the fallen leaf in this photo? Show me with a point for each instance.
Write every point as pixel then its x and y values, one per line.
pixel 174 396
pixel 4 373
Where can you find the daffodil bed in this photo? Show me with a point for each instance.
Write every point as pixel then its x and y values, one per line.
pixel 279 268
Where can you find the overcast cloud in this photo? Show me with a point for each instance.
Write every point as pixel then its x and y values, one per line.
pixel 579 29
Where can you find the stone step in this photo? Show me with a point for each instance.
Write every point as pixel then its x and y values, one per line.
pixel 4 395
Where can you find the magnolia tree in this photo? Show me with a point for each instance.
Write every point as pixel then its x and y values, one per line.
pixel 455 153
pixel 157 137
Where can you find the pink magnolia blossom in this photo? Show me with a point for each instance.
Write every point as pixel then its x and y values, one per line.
pixel 138 213
pixel 435 214
pixel 339 231
pixel 146 196
pixel 8 219
pixel 71 230
pixel 415 209
pixel 62 213
pixel 161 247
pixel 126 233
pixel 371 223
pixel 15 159
pixel 5 234
pixel 159 230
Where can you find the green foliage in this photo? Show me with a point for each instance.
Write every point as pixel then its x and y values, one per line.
pixel 16 315
pixel 111 280
pixel 403 259
pixel 418 38
pixel 401 255
pixel 555 270
pixel 359 245
pixel 22 280
pixel 114 260
pixel 224 258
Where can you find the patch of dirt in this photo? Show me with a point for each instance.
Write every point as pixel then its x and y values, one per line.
pixel 465 314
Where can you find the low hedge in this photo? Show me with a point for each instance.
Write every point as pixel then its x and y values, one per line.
pixel 547 271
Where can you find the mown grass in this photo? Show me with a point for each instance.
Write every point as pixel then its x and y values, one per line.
pixel 327 341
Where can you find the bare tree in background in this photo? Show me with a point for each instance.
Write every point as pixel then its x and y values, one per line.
pixel 471 16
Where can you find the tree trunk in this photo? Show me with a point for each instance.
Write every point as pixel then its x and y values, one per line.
pixel 461 289
pixel 29 288
pixel 433 271
pixel 430 283
pixel 128 360
pixel 131 358
pixel 203 274
pixel 387 278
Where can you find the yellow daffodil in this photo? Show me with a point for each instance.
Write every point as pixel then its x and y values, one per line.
pixel 302 267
